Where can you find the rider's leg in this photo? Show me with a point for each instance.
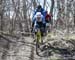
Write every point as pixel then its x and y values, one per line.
pixel 44 29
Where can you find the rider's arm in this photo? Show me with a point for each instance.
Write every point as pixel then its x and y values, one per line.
pixel 44 22
pixel 43 19
pixel 33 21
pixel 44 12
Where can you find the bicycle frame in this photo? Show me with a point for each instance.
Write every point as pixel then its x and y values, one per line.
pixel 38 40
pixel 38 36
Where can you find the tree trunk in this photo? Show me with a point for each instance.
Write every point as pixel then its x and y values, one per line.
pixel 1 15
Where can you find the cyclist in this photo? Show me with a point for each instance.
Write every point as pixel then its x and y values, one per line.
pixel 48 21
pixel 38 22
pixel 39 9
pixel 48 18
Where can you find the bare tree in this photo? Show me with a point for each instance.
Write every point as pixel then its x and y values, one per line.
pixel 1 14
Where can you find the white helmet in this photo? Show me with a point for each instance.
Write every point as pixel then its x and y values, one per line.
pixel 38 14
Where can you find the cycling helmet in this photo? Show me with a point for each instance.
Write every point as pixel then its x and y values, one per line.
pixel 39 6
pixel 38 14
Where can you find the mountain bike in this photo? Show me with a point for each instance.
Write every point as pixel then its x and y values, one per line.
pixel 39 40
pixel 40 43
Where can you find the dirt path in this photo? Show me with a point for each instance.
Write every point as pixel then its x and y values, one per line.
pixel 24 49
